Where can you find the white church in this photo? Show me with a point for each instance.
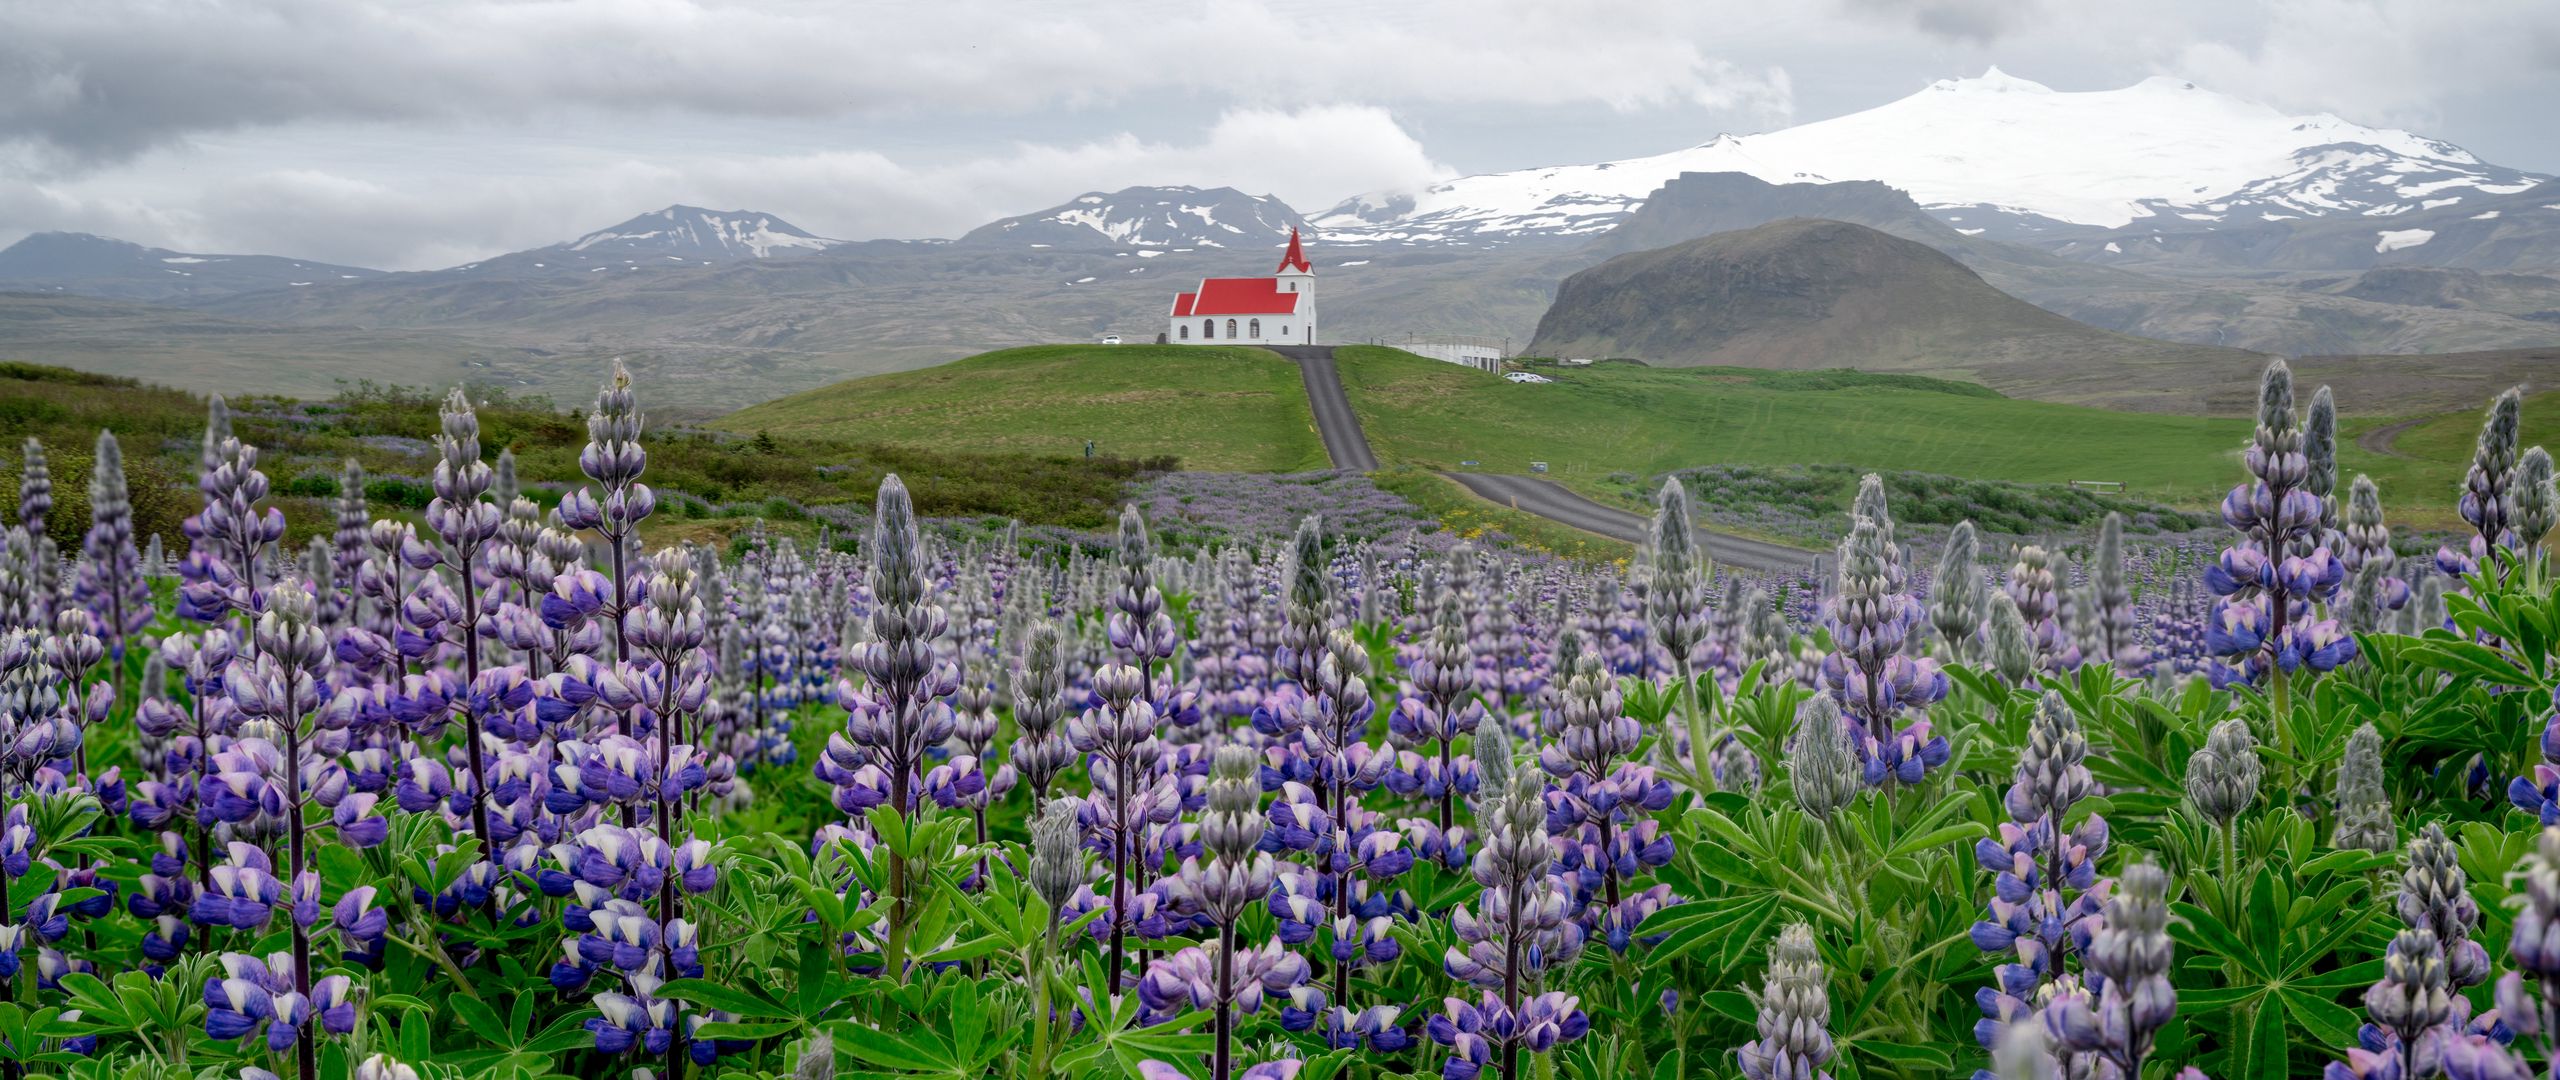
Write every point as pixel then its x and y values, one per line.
pixel 1275 310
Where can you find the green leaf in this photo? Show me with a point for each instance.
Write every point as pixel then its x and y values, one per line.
pixel 749 1001
pixel 478 1019
pixel 2473 659
pixel 565 1034
pixel 1731 1004
pixel 2267 1048
pixel 416 1043
pixel 2335 1024
pixel 750 1029
pixel 1930 1058
pixel 2266 926
pixel 2349 862
pixel 2200 929
pixel 888 1049
pixel 816 965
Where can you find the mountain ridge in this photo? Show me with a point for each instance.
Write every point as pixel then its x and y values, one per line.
pixel 1146 218
pixel 1803 294
pixel 87 264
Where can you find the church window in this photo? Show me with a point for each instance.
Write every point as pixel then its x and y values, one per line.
pixel 1254 329
pixel 1186 331
pixel 1231 329
pixel 1208 328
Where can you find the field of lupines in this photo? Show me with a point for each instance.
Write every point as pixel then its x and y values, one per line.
pixel 517 794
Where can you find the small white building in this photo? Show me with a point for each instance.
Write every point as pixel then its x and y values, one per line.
pixel 1275 310
pixel 1467 354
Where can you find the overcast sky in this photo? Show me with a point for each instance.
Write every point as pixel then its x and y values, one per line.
pixel 411 134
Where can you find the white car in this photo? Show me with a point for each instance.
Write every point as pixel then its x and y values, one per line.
pixel 1111 339
pixel 1527 377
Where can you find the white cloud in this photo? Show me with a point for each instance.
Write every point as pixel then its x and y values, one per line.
pixel 2381 61
pixel 104 79
pixel 404 219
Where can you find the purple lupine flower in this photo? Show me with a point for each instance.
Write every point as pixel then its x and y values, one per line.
pixel 1436 713
pixel 1872 616
pixel 2126 968
pixel 1520 926
pixel 1600 807
pixel 1281 1069
pixel 2540 792
pixel 1188 979
pixel 2045 888
pixel 2435 895
pixel 634 1021
pixel 2283 564
pixel 902 712
pixel 1676 611
pixel 1959 597
pixel 1118 735
pixel 1486 1030
pixel 2487 501
pixel 236 532
pixel 110 583
pixel 1795 1013
pixel 1040 751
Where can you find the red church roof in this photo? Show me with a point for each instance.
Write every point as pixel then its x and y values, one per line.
pixel 1294 257
pixel 1237 296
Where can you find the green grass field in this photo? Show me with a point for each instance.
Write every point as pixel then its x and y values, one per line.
pixel 1218 408
pixel 1623 418
pixel 2425 469
pixel 1242 409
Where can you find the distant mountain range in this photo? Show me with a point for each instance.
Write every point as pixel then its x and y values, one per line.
pixel 2160 210
pixel 84 265
pixel 1995 155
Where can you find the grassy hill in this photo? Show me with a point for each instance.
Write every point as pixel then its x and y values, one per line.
pixel 711 485
pixel 1215 408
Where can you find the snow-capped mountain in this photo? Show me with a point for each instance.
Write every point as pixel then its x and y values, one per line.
pixel 1999 154
pixel 701 234
pixel 1161 218
pixel 677 236
pixel 87 265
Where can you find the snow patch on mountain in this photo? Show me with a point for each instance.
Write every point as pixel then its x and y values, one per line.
pixel 692 231
pixel 2396 239
pixel 1157 218
pixel 2161 148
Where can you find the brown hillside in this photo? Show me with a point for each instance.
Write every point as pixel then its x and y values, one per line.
pixel 1808 294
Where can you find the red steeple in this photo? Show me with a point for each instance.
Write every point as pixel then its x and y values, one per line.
pixel 1295 258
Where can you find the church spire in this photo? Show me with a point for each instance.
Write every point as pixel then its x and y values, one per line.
pixel 1295 259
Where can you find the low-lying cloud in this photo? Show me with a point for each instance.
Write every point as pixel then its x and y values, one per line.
pixel 104 80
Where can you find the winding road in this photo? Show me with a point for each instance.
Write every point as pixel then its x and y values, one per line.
pixel 1344 442
pixel 2379 441
pixel 1555 502
pixel 1348 446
